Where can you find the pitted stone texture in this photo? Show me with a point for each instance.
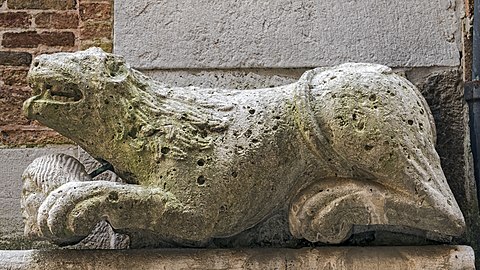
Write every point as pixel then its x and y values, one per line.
pixel 282 33
pixel 351 145
pixel 339 258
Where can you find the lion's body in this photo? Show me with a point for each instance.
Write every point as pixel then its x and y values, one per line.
pixel 206 163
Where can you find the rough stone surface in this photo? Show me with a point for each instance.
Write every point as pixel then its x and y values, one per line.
pixel 341 258
pixel 92 164
pixel 443 91
pixel 360 143
pixel 12 163
pixel 307 33
pixel 228 79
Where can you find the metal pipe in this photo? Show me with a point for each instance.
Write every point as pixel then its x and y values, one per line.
pixel 472 96
pixel 105 167
pixel 476 41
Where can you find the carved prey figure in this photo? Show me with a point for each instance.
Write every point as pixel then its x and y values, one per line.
pixel 344 146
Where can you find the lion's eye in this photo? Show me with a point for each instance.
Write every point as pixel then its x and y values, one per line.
pixel 115 67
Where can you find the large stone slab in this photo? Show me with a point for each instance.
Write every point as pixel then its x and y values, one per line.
pixel 355 258
pixel 283 33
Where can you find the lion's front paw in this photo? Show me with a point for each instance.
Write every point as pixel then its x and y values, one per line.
pixel 40 178
pixel 69 213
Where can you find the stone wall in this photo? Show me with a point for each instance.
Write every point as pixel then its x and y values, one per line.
pixel 188 43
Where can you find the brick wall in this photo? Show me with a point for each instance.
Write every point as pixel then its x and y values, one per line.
pixel 32 27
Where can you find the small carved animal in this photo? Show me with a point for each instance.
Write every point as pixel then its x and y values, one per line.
pixel 344 146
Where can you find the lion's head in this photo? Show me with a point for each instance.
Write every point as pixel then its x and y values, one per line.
pixel 68 83
pixel 112 110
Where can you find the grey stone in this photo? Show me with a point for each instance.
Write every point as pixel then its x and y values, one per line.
pixel 227 79
pixel 92 164
pixel 281 33
pixel 12 163
pixel 327 258
pixel 103 237
pixel 347 146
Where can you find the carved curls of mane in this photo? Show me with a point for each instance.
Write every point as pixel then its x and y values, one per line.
pixel 171 119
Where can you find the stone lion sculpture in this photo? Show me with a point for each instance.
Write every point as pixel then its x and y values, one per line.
pixel 344 146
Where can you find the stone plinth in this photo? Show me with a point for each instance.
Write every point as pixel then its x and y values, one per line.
pixel 408 258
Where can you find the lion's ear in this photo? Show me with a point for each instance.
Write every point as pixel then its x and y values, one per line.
pixel 117 68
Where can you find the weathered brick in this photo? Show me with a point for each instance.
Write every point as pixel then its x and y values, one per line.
pixel 15 19
pixel 30 135
pixel 65 20
pixel 57 38
pixel 15 129
pixel 104 43
pixel 11 99
pixel 29 39
pixel 15 58
pixel 94 30
pixel 41 4
pixel 32 39
pixel 95 11
pixel 14 77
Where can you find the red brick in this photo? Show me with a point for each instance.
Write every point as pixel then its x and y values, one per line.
pixel 104 43
pixel 31 135
pixel 15 20
pixel 11 100
pixel 15 58
pixel 14 77
pixel 29 39
pixel 95 11
pixel 66 20
pixel 94 30
pixel 41 4
pixel 15 129
pixel 57 38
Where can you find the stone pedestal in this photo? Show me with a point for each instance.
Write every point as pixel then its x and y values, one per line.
pixel 408 258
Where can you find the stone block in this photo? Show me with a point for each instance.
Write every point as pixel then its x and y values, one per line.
pixel 307 33
pixel 340 258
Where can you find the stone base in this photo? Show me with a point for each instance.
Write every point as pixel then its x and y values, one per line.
pixel 409 258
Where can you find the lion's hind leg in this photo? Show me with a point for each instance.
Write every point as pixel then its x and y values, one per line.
pixel 327 211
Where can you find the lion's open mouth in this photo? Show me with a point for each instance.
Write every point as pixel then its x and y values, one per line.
pixel 58 92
